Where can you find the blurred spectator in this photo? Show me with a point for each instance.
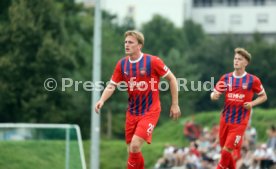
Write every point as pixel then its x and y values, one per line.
pixel 250 137
pixel 191 131
pixel 214 132
pixel 271 142
pixel 192 160
pixel 168 158
pixel 246 159
pixel 264 157
pixel 204 143
pixel 194 148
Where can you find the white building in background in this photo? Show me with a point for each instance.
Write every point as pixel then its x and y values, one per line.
pixel 233 16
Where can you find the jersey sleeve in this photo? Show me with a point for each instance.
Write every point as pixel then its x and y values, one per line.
pixel 117 74
pixel 257 86
pixel 160 68
pixel 221 85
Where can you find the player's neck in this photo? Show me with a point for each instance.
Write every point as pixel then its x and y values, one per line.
pixel 239 72
pixel 135 56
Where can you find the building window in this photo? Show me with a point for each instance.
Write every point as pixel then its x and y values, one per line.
pixel 209 19
pixel 202 3
pixel 232 2
pixel 235 19
pixel 259 2
pixel 262 19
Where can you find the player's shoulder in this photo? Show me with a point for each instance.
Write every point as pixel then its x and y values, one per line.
pixel 227 75
pixel 123 59
pixel 149 55
pixel 255 77
pixel 153 58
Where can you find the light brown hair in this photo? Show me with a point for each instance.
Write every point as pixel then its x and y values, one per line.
pixel 138 35
pixel 244 53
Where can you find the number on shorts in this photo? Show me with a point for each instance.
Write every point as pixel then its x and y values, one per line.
pixel 237 140
pixel 150 129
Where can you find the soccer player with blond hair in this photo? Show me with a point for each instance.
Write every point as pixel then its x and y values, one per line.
pixel 141 73
pixel 239 88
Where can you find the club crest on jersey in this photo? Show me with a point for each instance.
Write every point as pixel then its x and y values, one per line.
pixel 143 71
pixel 244 86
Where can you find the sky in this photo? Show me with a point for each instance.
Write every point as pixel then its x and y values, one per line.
pixel 145 9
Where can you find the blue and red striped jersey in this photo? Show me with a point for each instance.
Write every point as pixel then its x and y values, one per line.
pixel 141 77
pixel 238 90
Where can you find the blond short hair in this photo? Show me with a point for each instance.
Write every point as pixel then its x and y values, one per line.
pixel 244 53
pixel 138 35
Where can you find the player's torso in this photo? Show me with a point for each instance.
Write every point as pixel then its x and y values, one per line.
pixel 139 76
pixel 239 90
pixel 142 85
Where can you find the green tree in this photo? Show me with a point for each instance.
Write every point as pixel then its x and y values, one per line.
pixel 161 36
pixel 262 65
pixel 33 48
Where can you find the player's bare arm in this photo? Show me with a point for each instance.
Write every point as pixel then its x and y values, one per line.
pixel 215 95
pixel 175 110
pixel 260 99
pixel 108 91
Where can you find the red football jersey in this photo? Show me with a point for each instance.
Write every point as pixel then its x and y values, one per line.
pixel 141 77
pixel 238 90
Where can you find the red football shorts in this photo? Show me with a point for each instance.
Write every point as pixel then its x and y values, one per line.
pixel 142 126
pixel 230 135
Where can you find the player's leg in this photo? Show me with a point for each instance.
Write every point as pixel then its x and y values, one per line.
pixel 143 132
pixel 135 158
pixel 134 143
pixel 225 151
pixel 233 143
pixel 223 132
pixel 226 158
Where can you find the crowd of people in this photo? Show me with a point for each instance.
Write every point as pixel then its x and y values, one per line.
pixel 204 150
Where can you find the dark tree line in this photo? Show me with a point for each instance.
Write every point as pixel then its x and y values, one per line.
pixel 53 39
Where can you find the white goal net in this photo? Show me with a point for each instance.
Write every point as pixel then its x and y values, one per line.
pixel 41 146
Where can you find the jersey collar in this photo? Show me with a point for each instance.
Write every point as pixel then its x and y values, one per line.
pixel 235 76
pixel 137 60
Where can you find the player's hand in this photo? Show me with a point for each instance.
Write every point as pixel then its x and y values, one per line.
pixel 98 106
pixel 247 105
pixel 215 95
pixel 175 112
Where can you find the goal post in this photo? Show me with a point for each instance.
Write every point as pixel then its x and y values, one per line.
pixel 24 132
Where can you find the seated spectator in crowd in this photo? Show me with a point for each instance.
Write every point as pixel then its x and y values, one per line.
pixel 264 157
pixel 246 159
pixel 204 143
pixel 250 137
pixel 192 161
pixel 194 148
pixel 214 132
pixel 191 131
pixel 168 158
pixel 271 142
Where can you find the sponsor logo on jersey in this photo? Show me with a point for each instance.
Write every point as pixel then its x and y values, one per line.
pixel 143 71
pixel 236 96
